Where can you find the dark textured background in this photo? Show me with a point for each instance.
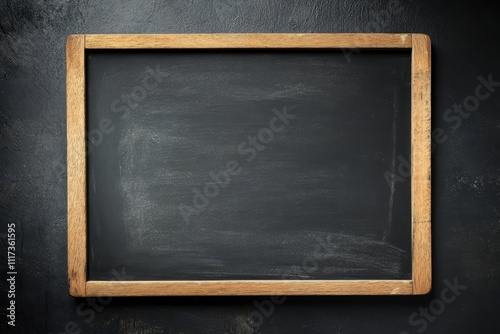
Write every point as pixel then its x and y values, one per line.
pixel 466 178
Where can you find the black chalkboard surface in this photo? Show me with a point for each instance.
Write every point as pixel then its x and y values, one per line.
pixel 248 164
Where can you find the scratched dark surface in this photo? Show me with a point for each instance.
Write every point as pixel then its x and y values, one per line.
pixel 466 176
pixel 305 199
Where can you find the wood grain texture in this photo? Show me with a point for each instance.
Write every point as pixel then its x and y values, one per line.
pixel 274 41
pixel 420 133
pixel 77 229
pixel 421 163
pixel 243 288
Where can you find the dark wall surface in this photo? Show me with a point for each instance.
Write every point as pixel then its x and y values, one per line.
pixel 466 172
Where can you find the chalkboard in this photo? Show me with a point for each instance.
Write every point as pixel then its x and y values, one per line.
pixel 261 168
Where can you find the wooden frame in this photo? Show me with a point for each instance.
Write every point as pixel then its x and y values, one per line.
pixel 420 283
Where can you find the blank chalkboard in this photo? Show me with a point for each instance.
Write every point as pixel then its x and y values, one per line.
pixel 244 164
